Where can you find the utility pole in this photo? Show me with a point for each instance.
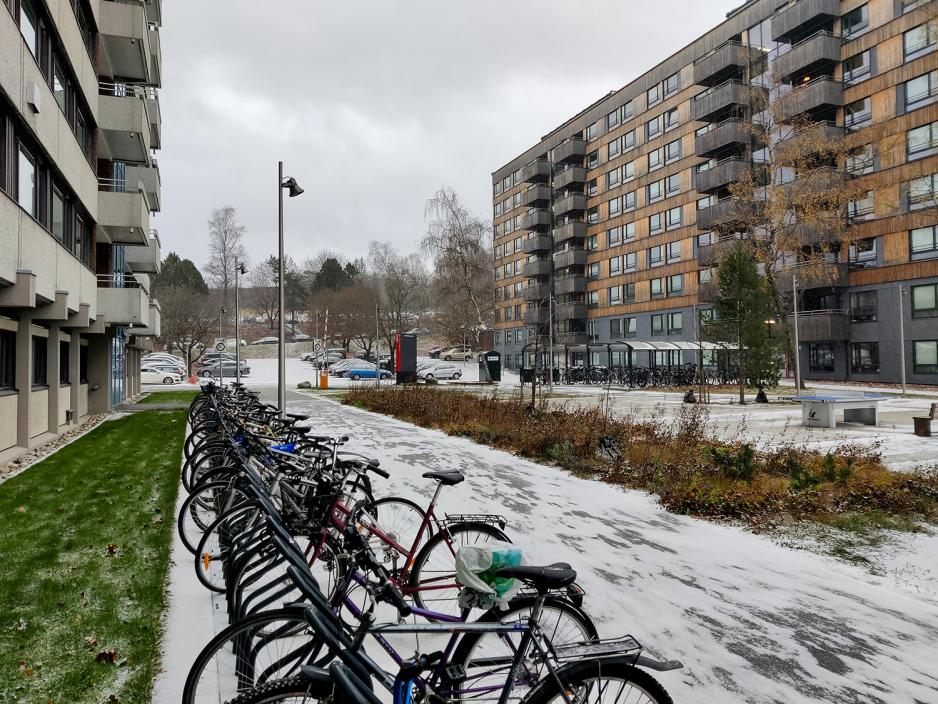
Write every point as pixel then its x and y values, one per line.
pixel 550 340
pixel 794 288
pixel 377 348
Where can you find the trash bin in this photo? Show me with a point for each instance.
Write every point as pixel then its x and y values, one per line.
pixel 323 379
pixel 493 362
pixel 922 426
pixel 527 375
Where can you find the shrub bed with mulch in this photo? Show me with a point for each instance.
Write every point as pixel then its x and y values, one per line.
pixel 690 472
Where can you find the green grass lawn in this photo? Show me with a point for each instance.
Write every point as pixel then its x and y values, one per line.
pixel 182 396
pixel 84 553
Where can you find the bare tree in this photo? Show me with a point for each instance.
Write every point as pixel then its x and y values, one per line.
pixel 189 320
pixel 460 245
pixel 349 313
pixel 401 283
pixel 225 248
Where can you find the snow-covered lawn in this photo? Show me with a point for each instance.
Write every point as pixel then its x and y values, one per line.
pixel 751 620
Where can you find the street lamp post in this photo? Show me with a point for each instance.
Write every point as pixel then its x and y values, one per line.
pixel 221 367
pixel 902 337
pixel 239 269
pixel 794 289
pixel 377 348
pixel 291 185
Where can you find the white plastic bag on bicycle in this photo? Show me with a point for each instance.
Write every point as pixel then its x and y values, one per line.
pixel 475 570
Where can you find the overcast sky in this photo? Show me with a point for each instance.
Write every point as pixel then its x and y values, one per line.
pixel 375 104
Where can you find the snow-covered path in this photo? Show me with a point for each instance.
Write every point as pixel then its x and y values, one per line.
pixel 752 621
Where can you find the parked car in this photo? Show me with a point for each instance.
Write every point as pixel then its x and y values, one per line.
pixel 300 337
pixel 367 372
pixel 318 357
pixel 152 375
pixel 266 341
pixel 439 370
pixel 346 366
pixel 226 368
pixel 213 357
pixel 463 352
pixel 418 331
pixel 164 366
pixel 163 357
pixel 434 352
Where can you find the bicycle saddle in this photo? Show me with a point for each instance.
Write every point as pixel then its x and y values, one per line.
pixel 555 576
pixel 297 417
pixel 447 477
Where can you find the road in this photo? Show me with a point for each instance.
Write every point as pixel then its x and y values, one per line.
pixel 751 620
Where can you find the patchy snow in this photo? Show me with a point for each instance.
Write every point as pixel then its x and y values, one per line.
pixel 752 621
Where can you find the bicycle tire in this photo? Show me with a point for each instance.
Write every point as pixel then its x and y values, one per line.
pixel 210 510
pixel 424 577
pixel 397 523
pixel 208 554
pixel 577 679
pixel 298 688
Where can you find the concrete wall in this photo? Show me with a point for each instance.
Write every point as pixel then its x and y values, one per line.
pixel 8 424
pixel 83 401
pixel 65 402
pixel 38 413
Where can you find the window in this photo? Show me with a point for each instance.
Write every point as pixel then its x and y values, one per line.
pixel 58 214
pixel 592 271
pixel 630 326
pixel 506 227
pixel 821 357
pixel 614 207
pixel 509 313
pixel 863 306
pixel 922 192
pixel 612 179
pixel 518 244
pixel 672 151
pixel 857 68
pixel 613 236
pixel 653 94
pixel 518 266
pixel 654 160
pixel 656 223
pixel 861 209
pixel 7 359
pixel 592 188
pixel 858 112
pixel 612 120
pixel 519 337
pixel 628 201
pixel 59 87
pixel 630 261
pixel 673 250
pixel 863 254
pixel 63 362
pixel 925 301
pixel 675 284
pixel 922 141
pixel 40 353
pixel 613 149
pixel 616 328
pixel 923 242
pixel 855 21
pixel 861 160
pixel 673 184
pixel 921 91
pixel 925 357
pixel 656 255
pixel 615 295
pixel 497 337
pixel 615 265
pixel 498 188
pixel 919 40
pixel 628 171
pixel 628 232
pixel 705 202
pixel 628 110
pixel 909 5
pixel 83 365
pixel 674 218
pixel 628 140
pixel 519 290
pixel 592 131
pixel 675 323
pixel 592 215
pixel 657 324
pixel 592 300
pixel 864 358
pixel 592 159
pixel 705 238
pixel 657 288
pixel 655 191
pixel 652 128
pixel 672 84
pixel 517 200
pixel 704 276
pixel 27 184
pixel 29 26
pixel 592 242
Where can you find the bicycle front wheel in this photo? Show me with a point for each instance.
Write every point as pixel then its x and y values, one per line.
pixel 600 682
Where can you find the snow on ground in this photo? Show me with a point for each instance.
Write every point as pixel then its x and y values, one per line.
pixel 751 620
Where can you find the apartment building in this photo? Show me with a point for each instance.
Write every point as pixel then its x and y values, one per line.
pixel 79 122
pixel 612 224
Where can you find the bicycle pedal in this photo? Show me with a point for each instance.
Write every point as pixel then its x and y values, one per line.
pixel 454 672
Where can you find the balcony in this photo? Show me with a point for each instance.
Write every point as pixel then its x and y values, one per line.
pixel 570 203
pixel 815 55
pixel 123 216
pixel 724 100
pixel 575 256
pixel 535 316
pixel 536 293
pixel 707 291
pixel 569 284
pixel 823 325
pixel 727 135
pixel 808 187
pixel 713 254
pixel 571 230
pixel 156 56
pixel 801 144
pixel 724 62
pixel 153 321
pixel 154 10
pixel 536 219
pixel 571 150
pixel 538 243
pixel 820 275
pixel 145 258
pixel 723 213
pixel 126 128
pixel 535 195
pixel 569 176
pixel 535 172
pixel 572 338
pixel 722 174
pixel 802 18
pixel 821 94
pixel 147 179
pixel 570 311
pixel 123 301
pixel 125 38
pixel 541 267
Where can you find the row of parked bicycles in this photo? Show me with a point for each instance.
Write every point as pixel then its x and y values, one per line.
pixel 317 570
pixel 688 374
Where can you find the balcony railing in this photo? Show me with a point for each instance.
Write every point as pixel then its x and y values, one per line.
pixel 726 61
pixel 821 93
pixel 820 49
pixel 823 325
pixel 118 281
pixel 798 18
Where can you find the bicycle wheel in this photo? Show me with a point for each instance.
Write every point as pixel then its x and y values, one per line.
pixel 292 690
pixel 487 657
pixel 432 579
pixel 202 507
pixel 258 650
pixel 398 519
pixel 600 682
pixel 212 550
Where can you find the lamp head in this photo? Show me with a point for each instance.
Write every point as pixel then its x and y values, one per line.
pixel 291 185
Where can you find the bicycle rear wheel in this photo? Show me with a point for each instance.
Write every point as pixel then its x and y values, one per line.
pixel 600 682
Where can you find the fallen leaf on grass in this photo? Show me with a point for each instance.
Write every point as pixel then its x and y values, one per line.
pixel 91 641
pixel 111 548
pixel 20 625
pixel 107 656
pixel 21 509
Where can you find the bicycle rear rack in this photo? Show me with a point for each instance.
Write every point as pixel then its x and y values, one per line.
pixel 491 519
pixel 616 647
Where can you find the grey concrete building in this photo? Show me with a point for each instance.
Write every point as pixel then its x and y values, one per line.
pixel 79 123
pixel 611 226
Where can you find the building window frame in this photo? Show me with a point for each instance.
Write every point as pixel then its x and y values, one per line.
pixel 930 365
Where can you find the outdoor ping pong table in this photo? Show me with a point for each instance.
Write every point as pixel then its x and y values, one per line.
pixel 820 410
